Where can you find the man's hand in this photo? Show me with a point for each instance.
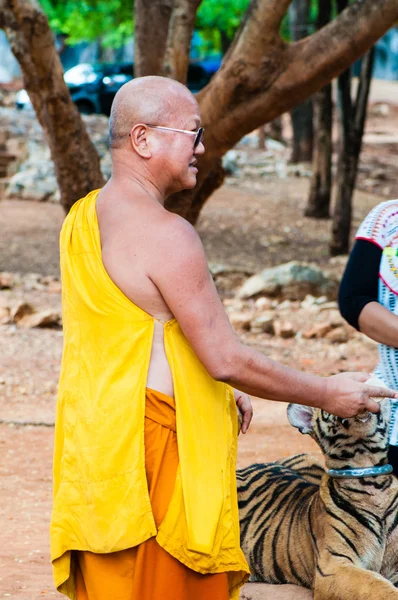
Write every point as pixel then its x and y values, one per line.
pixel 245 409
pixel 347 395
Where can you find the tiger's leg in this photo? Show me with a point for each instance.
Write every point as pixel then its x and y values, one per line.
pixel 265 591
pixel 341 581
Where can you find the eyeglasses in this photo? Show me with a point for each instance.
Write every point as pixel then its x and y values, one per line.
pixel 199 135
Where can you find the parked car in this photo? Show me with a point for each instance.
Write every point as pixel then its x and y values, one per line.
pixel 93 87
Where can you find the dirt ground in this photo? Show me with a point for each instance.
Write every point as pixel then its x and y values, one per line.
pixel 239 228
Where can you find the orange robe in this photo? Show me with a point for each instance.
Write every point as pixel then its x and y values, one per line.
pixel 147 571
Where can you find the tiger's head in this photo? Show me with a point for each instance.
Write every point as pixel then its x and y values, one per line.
pixel 345 443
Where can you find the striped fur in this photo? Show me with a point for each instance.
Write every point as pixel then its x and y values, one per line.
pixel 338 537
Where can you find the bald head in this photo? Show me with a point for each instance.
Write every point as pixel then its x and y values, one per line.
pixel 152 100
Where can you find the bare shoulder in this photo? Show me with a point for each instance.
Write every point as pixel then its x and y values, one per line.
pixel 176 228
pixel 178 242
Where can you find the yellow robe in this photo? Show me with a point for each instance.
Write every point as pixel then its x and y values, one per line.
pixel 101 500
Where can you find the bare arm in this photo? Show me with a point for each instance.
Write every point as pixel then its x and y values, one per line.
pixel 186 285
pixel 378 323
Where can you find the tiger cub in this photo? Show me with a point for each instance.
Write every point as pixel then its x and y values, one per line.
pixel 337 536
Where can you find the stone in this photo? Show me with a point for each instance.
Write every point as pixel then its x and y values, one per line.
pixel 4 315
pixel 328 305
pixel 284 329
pixel 338 335
pixel 6 281
pixel 293 280
pixel 45 318
pixel 263 323
pixel 240 320
pixel 230 163
pixel 335 319
pixel 20 310
pixel 318 331
pixel 263 303
pixel 54 287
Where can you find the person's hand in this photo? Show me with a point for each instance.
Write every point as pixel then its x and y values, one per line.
pixel 347 395
pixel 245 409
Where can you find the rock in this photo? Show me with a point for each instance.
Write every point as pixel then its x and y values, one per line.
pixel 20 310
pixel 263 303
pixel 54 287
pixel 240 320
pixel 284 329
pixel 286 304
pixel 233 305
pixel 35 180
pixel 263 323
pixel 45 318
pixel 335 319
pixel 318 331
pixel 308 301
pixel 6 280
pixel 328 305
pixel 339 260
pixel 230 163
pixel 380 109
pixel 4 315
pixel 337 336
pixel 293 280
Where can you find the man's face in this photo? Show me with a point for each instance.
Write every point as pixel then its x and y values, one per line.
pixel 176 155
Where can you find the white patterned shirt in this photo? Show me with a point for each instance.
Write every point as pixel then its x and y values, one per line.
pixel 381 228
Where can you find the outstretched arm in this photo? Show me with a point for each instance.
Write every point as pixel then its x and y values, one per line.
pixel 186 285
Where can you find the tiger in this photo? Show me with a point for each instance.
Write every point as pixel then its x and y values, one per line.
pixel 303 525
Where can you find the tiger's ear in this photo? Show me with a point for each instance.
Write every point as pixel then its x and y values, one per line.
pixel 301 417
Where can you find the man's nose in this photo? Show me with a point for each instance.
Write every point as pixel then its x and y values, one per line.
pixel 200 149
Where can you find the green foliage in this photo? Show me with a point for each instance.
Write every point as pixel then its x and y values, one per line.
pixel 110 20
pixel 221 15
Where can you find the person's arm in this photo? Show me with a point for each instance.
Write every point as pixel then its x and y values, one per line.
pixel 378 323
pixel 185 283
pixel 359 292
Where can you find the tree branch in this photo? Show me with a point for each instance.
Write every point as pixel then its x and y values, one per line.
pixel 258 82
pixel 181 28
pixel 262 22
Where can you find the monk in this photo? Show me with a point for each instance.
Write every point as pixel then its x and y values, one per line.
pixel 145 503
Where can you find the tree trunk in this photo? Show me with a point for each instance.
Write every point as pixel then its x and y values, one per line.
pixel 152 19
pixel 261 137
pixel 77 165
pixel 352 128
pixel 181 28
pixel 303 133
pixel 321 181
pixel 302 114
pixel 275 129
pixel 318 205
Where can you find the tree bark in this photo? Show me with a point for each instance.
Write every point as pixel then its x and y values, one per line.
pixel 181 28
pixel 352 127
pixel 77 165
pixel 275 129
pixel 302 114
pixel 318 205
pixel 321 181
pixel 152 19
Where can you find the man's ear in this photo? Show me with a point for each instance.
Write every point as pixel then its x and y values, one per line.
pixel 301 417
pixel 139 140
